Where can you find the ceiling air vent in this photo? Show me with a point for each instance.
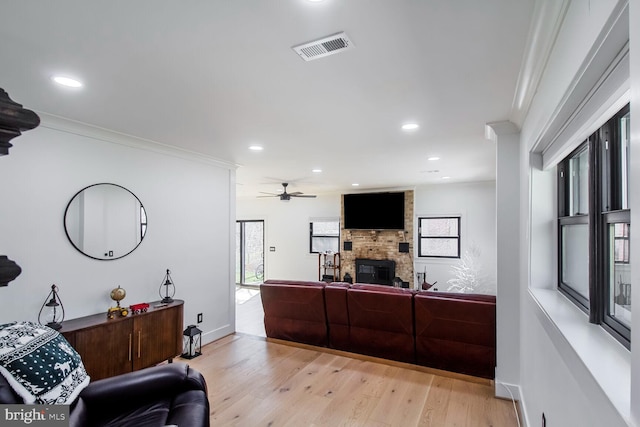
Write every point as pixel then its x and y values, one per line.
pixel 324 47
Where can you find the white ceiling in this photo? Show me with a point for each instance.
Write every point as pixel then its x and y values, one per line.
pixel 216 76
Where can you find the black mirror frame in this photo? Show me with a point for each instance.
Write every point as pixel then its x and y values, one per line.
pixel 64 221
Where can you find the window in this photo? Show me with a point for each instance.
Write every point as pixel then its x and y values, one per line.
pixel 574 225
pixel 439 237
pixel 594 226
pixel 324 236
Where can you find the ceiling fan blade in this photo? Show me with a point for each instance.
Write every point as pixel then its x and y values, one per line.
pixel 309 196
pixel 295 193
pixel 271 194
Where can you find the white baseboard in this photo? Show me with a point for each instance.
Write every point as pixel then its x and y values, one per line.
pixel 514 393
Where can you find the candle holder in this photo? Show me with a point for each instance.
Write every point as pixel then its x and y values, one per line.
pixel 54 310
pixel 169 288
pixel 192 342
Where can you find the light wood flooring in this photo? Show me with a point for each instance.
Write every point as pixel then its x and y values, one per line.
pixel 249 312
pixel 253 381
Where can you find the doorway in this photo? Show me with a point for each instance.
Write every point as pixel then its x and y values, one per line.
pixel 249 276
pixel 249 252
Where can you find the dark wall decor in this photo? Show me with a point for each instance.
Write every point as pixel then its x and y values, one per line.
pixel 9 270
pixel 13 120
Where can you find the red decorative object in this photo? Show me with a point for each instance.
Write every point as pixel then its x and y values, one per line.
pixel 139 308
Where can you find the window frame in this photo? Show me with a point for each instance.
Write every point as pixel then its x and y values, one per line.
pixel 605 186
pixel 324 236
pixel 435 237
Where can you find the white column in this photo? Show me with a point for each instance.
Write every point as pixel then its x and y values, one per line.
pixel 506 136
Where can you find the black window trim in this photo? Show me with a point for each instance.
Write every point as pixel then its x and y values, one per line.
pixel 458 237
pixel 604 185
pixel 311 235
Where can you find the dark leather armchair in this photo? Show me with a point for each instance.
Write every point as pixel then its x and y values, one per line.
pixel 170 394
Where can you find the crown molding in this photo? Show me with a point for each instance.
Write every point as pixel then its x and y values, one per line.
pixel 51 121
pixel 548 16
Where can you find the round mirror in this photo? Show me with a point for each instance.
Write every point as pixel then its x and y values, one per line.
pixel 105 221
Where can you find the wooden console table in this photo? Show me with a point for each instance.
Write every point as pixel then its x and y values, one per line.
pixel 111 347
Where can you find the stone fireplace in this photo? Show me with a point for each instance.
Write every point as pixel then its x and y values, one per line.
pixel 380 245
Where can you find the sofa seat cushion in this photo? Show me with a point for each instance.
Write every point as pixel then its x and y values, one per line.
pixel 381 322
pixel 295 311
pixel 40 365
pixel 456 332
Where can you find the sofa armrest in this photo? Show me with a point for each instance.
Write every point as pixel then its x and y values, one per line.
pixel 148 384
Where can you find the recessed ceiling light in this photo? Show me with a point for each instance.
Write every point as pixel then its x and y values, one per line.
pixel 355 184
pixel 446 177
pixel 66 81
pixel 316 170
pixel 256 148
pixel 410 126
pixel 433 158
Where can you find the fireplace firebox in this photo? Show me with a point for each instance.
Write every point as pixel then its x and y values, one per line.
pixel 375 271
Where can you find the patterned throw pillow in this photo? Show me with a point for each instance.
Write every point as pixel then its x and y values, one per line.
pixel 40 365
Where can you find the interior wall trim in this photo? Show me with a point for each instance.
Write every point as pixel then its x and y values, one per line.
pixel 63 124
pixel 548 17
pixel 608 51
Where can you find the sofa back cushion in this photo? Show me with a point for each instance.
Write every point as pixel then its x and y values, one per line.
pixel 295 311
pixel 456 332
pixel 381 321
pixel 335 295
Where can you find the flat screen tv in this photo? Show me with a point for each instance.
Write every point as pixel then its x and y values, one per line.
pixel 374 211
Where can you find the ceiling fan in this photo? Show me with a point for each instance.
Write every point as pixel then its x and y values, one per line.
pixel 287 196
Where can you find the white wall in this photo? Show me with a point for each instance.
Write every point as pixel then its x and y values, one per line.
pixel 554 380
pixel 476 205
pixel 189 203
pixel 287 229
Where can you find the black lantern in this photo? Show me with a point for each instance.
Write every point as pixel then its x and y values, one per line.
pixel 192 342
pixel 169 288
pixel 54 310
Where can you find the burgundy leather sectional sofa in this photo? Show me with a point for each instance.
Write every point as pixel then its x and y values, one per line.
pixel 449 331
